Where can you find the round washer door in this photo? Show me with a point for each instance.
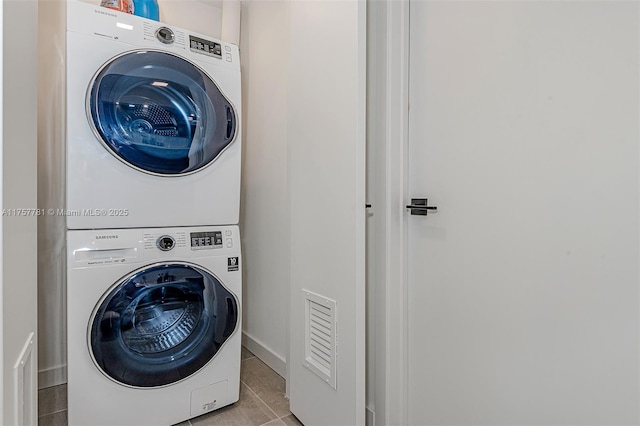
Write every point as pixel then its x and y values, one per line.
pixel 161 324
pixel 159 113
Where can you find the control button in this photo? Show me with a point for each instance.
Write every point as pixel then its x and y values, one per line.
pixel 228 56
pixel 227 232
pixel 229 243
pixel 165 35
pixel 166 243
pixel 227 48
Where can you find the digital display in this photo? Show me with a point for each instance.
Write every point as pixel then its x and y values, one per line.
pixel 207 47
pixel 206 239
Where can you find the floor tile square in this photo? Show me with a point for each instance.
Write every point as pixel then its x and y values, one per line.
pixel 55 419
pixel 246 353
pixel 52 400
pixel 266 383
pixel 291 420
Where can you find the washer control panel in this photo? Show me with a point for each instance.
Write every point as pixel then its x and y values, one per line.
pixel 182 241
pixel 163 240
pixel 166 243
pixel 206 240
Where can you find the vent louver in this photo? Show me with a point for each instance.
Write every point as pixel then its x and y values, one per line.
pixel 320 336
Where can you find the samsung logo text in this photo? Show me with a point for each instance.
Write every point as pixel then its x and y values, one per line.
pixel 105 13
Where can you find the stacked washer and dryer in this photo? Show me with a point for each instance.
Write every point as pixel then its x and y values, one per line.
pixel 153 248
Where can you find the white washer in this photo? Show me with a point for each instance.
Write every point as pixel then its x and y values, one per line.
pixel 153 123
pixel 153 324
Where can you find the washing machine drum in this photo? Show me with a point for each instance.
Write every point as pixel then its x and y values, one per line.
pixel 160 113
pixel 161 324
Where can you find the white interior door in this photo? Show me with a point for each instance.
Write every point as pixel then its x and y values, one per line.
pixel 523 287
pixel 326 132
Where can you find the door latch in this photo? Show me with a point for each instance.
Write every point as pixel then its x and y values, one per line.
pixel 419 207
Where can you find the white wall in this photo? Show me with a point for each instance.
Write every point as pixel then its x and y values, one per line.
pixel 327 182
pixel 386 118
pixel 264 220
pixel 19 242
pixel 375 129
pixel 51 177
pixel 194 15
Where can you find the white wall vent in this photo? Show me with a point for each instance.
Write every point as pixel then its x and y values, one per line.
pixel 320 336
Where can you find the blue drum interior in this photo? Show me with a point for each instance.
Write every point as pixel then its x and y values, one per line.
pixel 159 113
pixel 162 324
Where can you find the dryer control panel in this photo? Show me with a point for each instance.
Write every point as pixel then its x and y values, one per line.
pixel 166 243
pixel 135 32
pixel 206 240
pixel 204 46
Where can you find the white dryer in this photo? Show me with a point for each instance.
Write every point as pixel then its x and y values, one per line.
pixel 153 324
pixel 153 123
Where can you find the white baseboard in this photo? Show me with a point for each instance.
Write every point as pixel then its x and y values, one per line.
pixel 268 356
pixel 52 376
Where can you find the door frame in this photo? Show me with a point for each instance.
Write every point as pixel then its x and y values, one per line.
pixel 391 277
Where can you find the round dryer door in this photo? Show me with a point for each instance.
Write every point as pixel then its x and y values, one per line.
pixel 161 324
pixel 160 113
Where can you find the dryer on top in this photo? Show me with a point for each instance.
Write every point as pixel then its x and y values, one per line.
pixel 153 123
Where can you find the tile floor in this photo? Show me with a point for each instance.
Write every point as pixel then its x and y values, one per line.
pixel 262 401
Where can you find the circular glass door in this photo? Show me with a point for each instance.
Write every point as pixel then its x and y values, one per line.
pixel 161 324
pixel 160 113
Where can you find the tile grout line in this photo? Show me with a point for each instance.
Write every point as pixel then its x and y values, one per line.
pixel 260 399
pixel 246 350
pixel 51 414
